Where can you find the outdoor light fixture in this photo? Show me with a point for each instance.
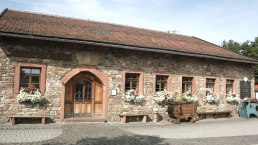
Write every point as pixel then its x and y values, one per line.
pixel 245 79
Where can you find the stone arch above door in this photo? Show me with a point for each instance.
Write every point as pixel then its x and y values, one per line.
pixel 97 74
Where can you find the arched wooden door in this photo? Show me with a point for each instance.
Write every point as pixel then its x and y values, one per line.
pixel 83 97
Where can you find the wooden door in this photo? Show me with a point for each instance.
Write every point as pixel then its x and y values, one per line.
pixel 68 107
pixel 83 98
pixel 98 99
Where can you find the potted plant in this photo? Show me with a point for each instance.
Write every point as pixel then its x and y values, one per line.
pixel 212 98
pixel 187 97
pixel 133 96
pixel 30 95
pixel 162 97
pixel 183 107
pixel 231 98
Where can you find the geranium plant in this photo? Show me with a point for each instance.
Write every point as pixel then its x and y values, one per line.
pixel 187 97
pixel 212 98
pixel 30 95
pixel 163 97
pixel 133 96
pixel 231 98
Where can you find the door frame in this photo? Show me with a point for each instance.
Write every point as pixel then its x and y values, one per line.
pixel 97 74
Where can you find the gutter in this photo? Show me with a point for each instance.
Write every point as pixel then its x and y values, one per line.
pixel 126 47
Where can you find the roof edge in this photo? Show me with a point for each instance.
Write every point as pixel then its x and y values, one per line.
pixel 223 47
pixel 2 13
pixel 126 47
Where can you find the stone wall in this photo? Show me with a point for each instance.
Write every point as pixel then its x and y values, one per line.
pixel 63 57
pixel 57 61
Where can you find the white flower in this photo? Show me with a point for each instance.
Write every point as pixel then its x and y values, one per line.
pixel 32 96
pixel 212 98
pixel 163 96
pixel 230 98
pixel 194 99
pixel 139 99
pixel 133 96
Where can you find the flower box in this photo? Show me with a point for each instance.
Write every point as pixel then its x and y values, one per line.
pixel 162 97
pixel 212 98
pixel 133 96
pixel 28 95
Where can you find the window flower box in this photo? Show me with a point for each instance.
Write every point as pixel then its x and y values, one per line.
pixel 133 96
pixel 212 98
pixel 231 98
pixel 30 95
pixel 162 97
pixel 187 97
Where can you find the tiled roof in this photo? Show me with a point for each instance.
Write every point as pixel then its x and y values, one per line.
pixel 42 25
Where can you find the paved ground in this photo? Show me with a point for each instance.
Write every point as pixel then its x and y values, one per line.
pixel 202 129
pixel 213 132
pixel 29 133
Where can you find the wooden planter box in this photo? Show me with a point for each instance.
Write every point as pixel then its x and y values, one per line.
pixel 182 111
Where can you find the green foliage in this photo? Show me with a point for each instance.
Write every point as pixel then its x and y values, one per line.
pixel 248 48
pixel 251 48
pixel 232 45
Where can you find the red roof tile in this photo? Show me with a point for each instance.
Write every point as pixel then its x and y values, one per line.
pixel 25 23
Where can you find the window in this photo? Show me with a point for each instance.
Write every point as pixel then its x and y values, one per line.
pixel 30 77
pixel 229 86
pixel 83 91
pixel 161 83
pixel 131 81
pixel 27 74
pixel 187 83
pixel 210 85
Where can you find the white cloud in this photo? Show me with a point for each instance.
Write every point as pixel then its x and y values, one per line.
pixel 74 8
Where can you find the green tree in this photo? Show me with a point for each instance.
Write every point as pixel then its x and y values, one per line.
pixel 232 45
pixel 251 48
pixel 247 48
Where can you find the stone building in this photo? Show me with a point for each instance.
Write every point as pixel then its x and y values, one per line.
pixel 84 67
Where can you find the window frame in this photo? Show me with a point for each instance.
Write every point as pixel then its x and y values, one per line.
pixel 216 84
pixel 30 76
pixel 131 80
pixel 185 83
pixel 233 87
pixel 160 83
pixel 193 89
pixel 169 81
pixel 141 79
pixel 84 83
pixel 17 76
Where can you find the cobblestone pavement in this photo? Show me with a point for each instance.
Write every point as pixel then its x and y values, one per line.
pixel 116 134
pixel 28 133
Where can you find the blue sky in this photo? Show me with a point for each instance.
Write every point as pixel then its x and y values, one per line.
pixel 211 20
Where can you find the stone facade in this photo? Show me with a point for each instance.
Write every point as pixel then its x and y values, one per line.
pixel 63 57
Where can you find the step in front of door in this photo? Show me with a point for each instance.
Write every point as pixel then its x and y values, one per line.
pixel 85 119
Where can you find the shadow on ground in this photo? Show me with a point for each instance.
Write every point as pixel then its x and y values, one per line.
pixel 119 140
pixel 101 134
pixel 135 139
